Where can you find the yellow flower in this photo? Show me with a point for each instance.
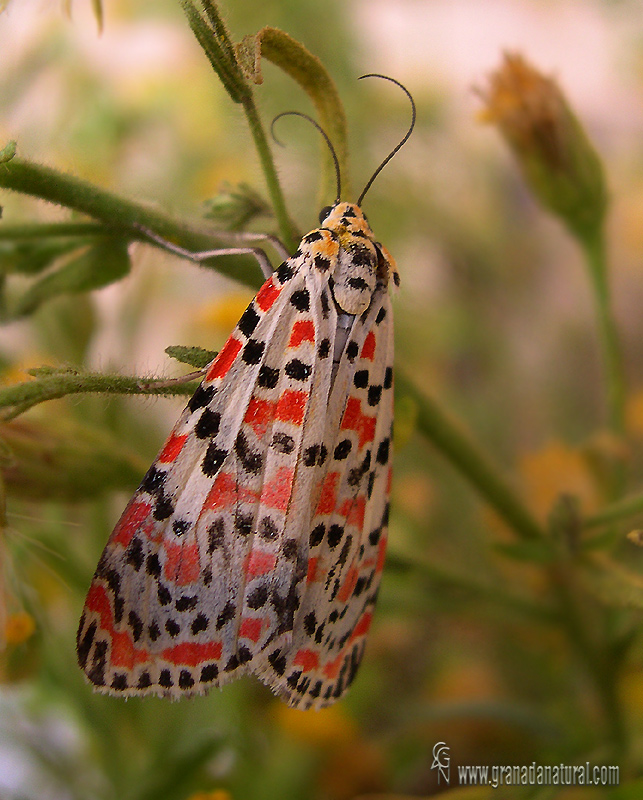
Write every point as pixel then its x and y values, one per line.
pixel 634 413
pixel 19 627
pixel 326 727
pixel 554 470
pixel 223 314
pixel 215 794
pixel 558 160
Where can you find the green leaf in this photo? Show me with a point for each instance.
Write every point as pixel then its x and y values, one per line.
pixel 194 356
pixel 103 263
pixel 30 258
pixel 537 551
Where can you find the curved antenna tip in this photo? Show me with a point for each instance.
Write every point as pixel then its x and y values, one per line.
pixel 402 142
pixel 326 139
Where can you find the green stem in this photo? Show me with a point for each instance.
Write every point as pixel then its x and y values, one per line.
pixel 120 214
pixel 474 465
pixel 288 232
pixel 495 593
pixel 596 657
pixel 23 396
pixel 627 507
pixel 595 253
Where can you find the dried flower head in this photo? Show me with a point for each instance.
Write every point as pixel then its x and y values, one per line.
pixel 557 158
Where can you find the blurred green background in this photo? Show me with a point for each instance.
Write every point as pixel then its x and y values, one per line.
pixel 494 320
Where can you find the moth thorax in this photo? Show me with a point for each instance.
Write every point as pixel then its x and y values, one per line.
pixel 354 279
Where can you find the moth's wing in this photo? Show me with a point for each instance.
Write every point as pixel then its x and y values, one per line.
pixel 166 612
pixel 346 537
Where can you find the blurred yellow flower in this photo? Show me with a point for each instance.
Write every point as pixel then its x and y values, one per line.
pixel 19 627
pixel 354 771
pixel 631 692
pixel 414 495
pixel 634 413
pixel 557 469
pixel 215 794
pixel 223 314
pixel 326 727
pixel 406 414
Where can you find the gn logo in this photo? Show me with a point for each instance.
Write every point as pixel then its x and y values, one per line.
pixel 442 761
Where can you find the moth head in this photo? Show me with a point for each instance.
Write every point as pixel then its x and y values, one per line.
pixel 346 219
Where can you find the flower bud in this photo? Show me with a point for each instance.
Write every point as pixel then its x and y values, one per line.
pixel 558 160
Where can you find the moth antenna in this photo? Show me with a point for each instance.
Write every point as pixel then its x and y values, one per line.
pixel 404 140
pixel 326 139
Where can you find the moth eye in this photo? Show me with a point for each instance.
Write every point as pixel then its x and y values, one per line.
pixel 324 213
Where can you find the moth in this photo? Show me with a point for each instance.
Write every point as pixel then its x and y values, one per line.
pixel 256 541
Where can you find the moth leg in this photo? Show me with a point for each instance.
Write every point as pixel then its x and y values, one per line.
pixel 275 241
pixel 168 382
pixel 202 255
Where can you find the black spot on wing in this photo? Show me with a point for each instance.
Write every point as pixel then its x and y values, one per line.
pixel 209 673
pixel 134 553
pixel 249 321
pixel 322 263
pixel 216 535
pixel 268 377
pixel 208 424
pixel 374 395
pixel 282 443
pixel 201 397
pixel 253 351
pixel 243 523
pixel 226 615
pixel 186 681
pixel 360 379
pixel 213 459
pixel 342 449
pixel 154 481
pixel 285 271
pixel 180 526
pixel 257 597
pixel 297 370
pixel 300 300
pixel 199 624
pixel 163 509
pixel 317 535
pixel 324 304
pixel 251 460
pixel 383 451
pixel 165 679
